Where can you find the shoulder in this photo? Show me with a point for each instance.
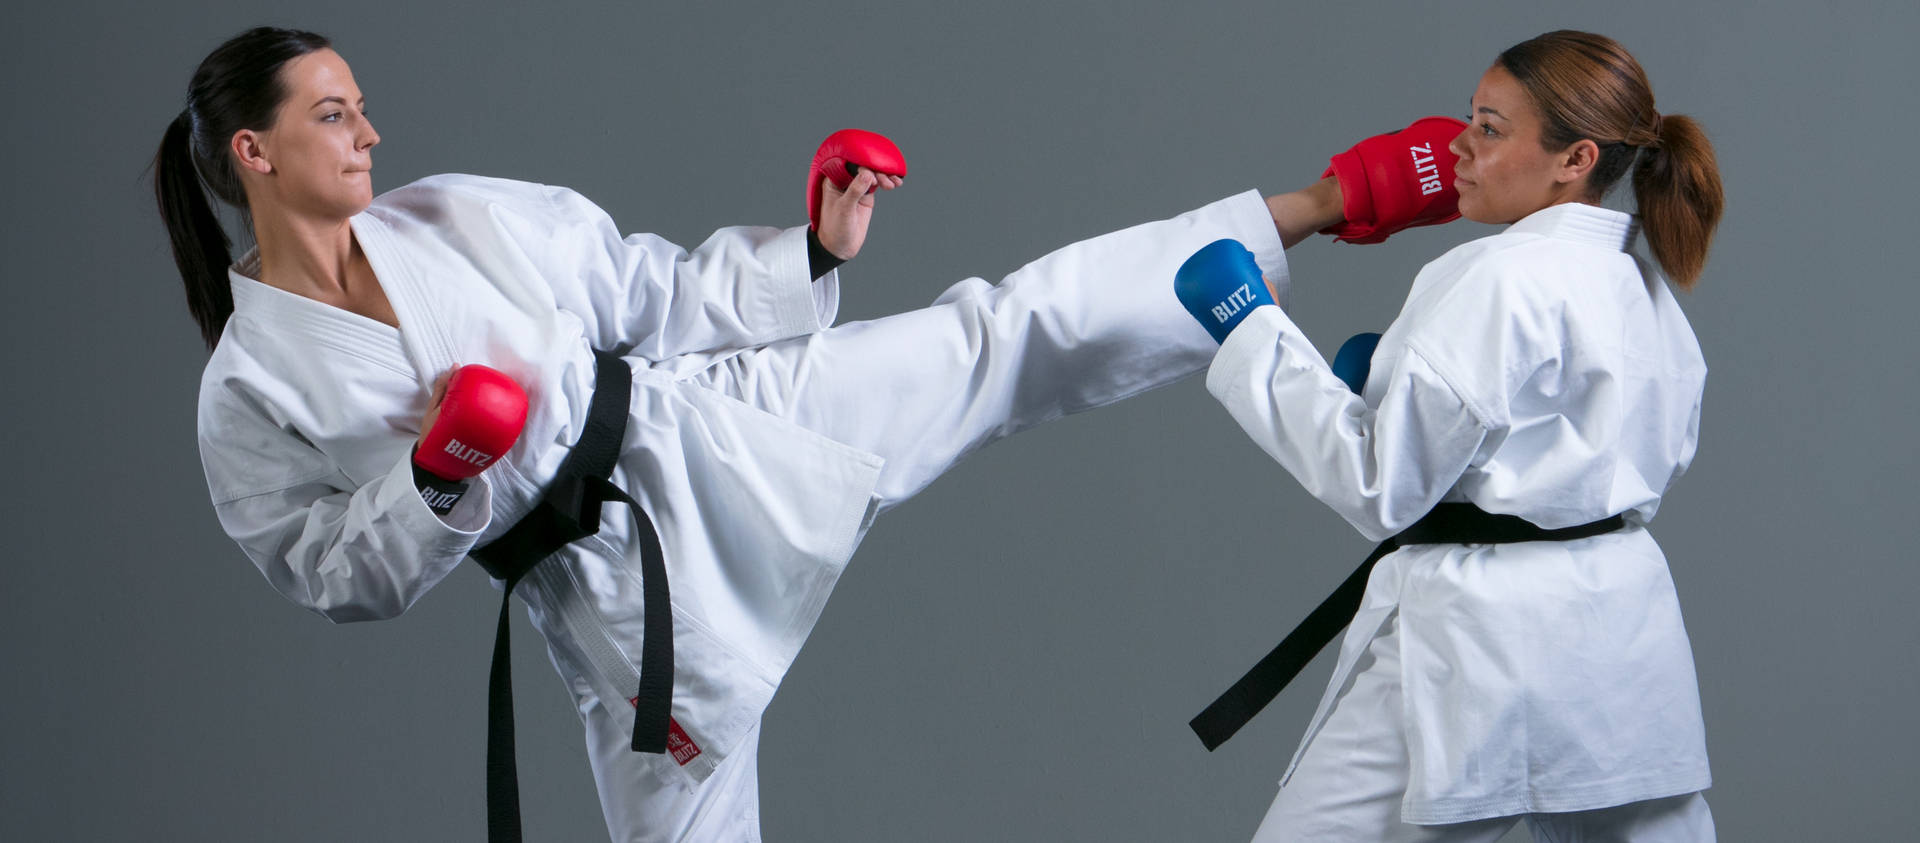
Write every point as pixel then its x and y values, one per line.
pixel 1528 278
pixel 241 378
pixel 1489 312
pixel 1477 281
pixel 1504 257
pixel 458 196
pixel 247 442
pixel 458 191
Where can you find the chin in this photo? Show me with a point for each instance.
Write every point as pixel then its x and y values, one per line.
pixel 1470 209
pixel 340 206
pixel 354 201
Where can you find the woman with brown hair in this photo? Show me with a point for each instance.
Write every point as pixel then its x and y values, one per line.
pixel 1515 647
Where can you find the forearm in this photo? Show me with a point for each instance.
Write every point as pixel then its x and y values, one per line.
pixel 1297 215
pixel 354 556
pixel 743 286
pixel 1380 468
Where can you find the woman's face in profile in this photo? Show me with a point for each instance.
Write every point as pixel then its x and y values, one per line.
pixel 318 154
pixel 1504 172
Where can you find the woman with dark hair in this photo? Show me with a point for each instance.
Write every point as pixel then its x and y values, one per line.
pixel 1515 648
pixel 756 443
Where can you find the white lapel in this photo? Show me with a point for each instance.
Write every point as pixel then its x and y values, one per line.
pixel 306 323
pixel 423 334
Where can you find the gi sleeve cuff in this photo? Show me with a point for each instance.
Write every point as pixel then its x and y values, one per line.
pixel 453 531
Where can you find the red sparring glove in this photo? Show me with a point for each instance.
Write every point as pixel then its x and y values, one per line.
pixel 481 414
pixel 1396 181
pixel 838 157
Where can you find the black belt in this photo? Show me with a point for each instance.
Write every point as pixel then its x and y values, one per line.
pixel 1448 523
pixel 567 512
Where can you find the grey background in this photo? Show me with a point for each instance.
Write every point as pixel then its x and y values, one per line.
pixel 1014 655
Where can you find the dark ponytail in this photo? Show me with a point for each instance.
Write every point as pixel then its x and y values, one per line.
pixel 200 245
pixel 237 86
pixel 1587 86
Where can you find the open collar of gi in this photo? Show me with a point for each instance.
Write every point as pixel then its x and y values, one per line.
pixel 419 345
pixel 1581 223
pixel 427 342
pixel 308 322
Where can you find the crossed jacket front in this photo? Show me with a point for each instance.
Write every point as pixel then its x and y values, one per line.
pixel 308 414
pixel 1544 372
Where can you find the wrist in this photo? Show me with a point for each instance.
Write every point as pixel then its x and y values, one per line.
pixel 1328 202
pixel 1298 215
pixel 438 493
pixel 820 259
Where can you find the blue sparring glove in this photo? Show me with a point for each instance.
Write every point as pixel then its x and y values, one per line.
pixel 1220 285
pixel 1355 357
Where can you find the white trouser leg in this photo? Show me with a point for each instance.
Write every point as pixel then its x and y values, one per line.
pixel 1082 327
pixel 645 803
pixel 1675 819
pixel 1353 773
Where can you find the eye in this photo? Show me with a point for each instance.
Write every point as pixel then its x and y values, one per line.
pixel 1487 130
pixel 331 117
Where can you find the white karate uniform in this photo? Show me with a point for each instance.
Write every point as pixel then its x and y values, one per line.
pixel 761 443
pixel 1543 372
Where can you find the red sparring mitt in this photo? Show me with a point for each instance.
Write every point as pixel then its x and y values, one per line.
pixel 481 413
pixel 840 154
pixel 1396 181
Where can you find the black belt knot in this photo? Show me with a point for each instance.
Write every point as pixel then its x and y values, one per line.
pixel 1448 523
pixel 569 510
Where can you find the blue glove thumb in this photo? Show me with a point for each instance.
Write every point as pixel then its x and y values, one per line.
pixel 1355 357
pixel 1220 285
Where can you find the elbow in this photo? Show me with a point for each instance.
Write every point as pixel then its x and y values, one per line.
pixel 353 602
pixel 1381 512
pixel 1378 505
pixel 1373 519
pixel 355 612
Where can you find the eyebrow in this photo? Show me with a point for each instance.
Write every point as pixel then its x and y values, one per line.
pixel 1485 110
pixel 340 100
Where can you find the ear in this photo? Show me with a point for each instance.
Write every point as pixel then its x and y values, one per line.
pixel 249 151
pixel 1577 161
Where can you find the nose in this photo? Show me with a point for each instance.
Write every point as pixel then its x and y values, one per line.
pixel 1458 146
pixel 368 138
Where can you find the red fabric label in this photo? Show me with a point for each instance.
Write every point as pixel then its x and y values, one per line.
pixel 681 747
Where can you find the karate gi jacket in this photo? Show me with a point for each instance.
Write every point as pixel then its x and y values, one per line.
pixel 1544 372
pixel 308 414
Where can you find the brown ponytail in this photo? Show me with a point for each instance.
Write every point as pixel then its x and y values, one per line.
pixel 237 86
pixel 1587 86
pixel 1677 183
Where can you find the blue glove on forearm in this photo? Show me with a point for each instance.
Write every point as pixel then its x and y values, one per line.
pixel 1220 285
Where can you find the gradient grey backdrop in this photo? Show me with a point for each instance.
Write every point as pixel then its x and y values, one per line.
pixel 1014 655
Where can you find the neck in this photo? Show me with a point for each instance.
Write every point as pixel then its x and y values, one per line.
pixel 304 255
pixel 1568 193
